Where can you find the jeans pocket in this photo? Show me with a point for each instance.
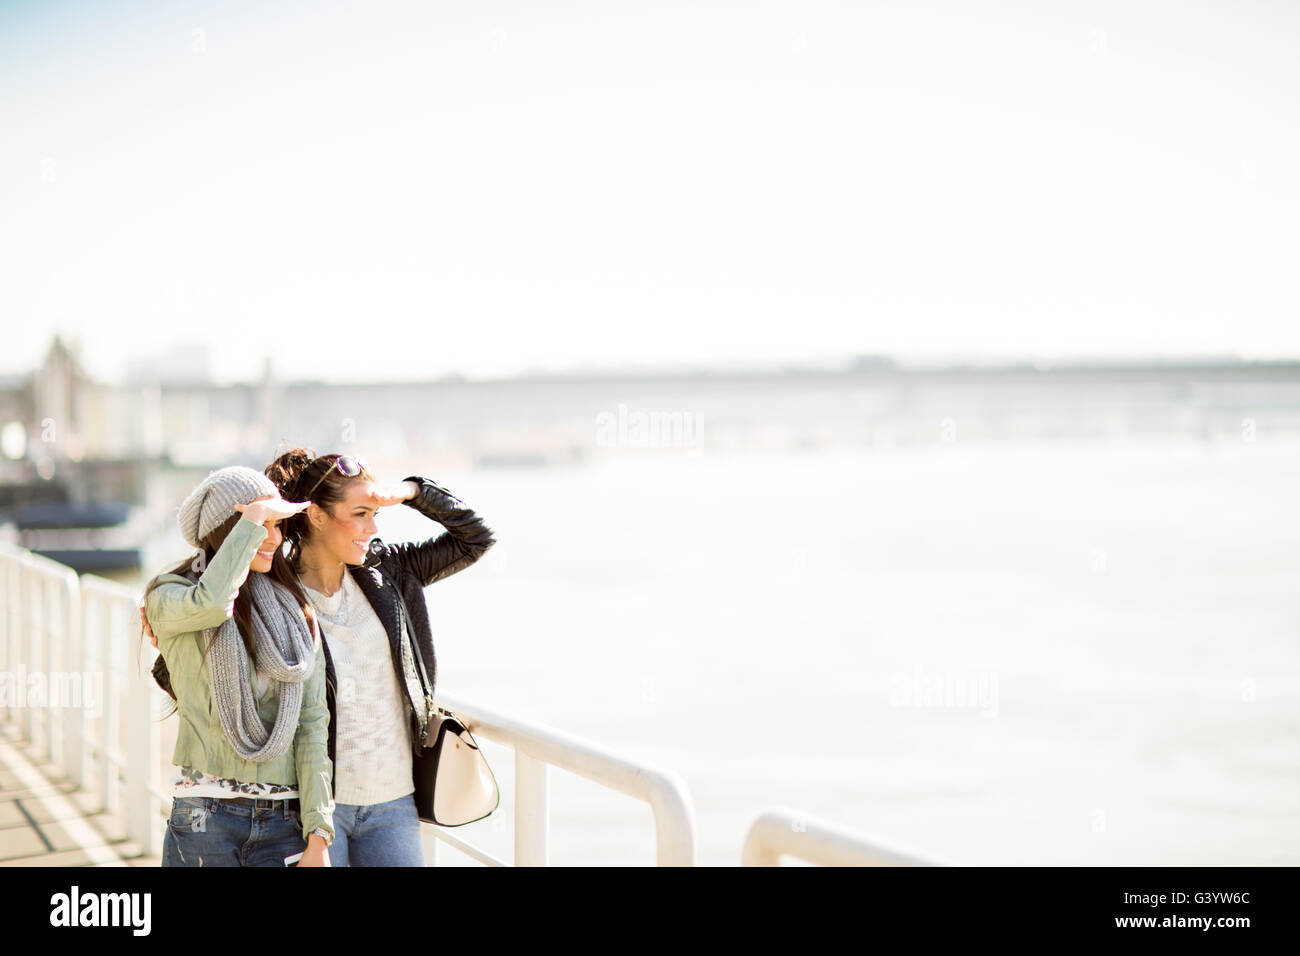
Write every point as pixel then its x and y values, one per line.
pixel 188 815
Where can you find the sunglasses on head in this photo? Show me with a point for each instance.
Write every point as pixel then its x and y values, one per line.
pixel 345 465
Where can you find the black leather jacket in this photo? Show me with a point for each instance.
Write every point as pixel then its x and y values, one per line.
pixel 393 578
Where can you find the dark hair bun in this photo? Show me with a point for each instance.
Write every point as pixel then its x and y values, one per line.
pixel 287 469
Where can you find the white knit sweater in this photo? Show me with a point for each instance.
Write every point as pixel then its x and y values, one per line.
pixel 372 744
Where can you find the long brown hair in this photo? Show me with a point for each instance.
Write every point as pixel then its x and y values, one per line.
pixel 294 473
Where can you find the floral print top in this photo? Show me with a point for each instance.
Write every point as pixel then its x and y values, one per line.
pixel 188 782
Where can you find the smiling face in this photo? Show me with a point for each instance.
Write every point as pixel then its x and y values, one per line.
pixel 343 530
pixel 266 553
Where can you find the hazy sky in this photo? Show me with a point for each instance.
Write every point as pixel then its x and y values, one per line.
pixel 382 189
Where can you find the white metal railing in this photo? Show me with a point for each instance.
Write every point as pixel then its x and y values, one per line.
pixel 129 732
pixel 67 626
pixel 78 691
pixel 783 830
pixel 538 747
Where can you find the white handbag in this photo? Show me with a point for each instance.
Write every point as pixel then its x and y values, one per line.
pixel 453 783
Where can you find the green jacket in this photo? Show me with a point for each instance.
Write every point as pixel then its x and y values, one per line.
pixel 180 611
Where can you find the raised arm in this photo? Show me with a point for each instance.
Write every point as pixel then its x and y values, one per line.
pixel 464 541
pixel 175 606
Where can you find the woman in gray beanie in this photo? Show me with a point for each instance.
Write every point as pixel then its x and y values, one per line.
pixel 246 665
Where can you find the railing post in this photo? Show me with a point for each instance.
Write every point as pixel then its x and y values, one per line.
pixel 60 678
pixel 108 789
pixel 532 811
pixel 40 661
pixel 429 843
pixel 74 718
pixel 674 814
pixel 10 611
pixel 139 728
pixel 49 608
pixel 141 764
pixel 31 639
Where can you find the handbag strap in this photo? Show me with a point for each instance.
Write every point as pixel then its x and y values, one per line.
pixel 409 637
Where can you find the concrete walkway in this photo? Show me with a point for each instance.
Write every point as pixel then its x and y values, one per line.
pixel 46 821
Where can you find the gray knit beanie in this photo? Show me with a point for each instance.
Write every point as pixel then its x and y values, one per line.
pixel 214 500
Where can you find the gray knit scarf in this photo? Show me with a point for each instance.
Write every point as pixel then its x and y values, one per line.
pixel 286 653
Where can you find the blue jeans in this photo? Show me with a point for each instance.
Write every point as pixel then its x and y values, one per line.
pixel 209 831
pixel 377 834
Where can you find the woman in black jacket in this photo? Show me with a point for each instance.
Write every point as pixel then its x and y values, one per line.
pixel 369 599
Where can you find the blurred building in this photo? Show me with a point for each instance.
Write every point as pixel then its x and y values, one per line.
pixel 173 414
